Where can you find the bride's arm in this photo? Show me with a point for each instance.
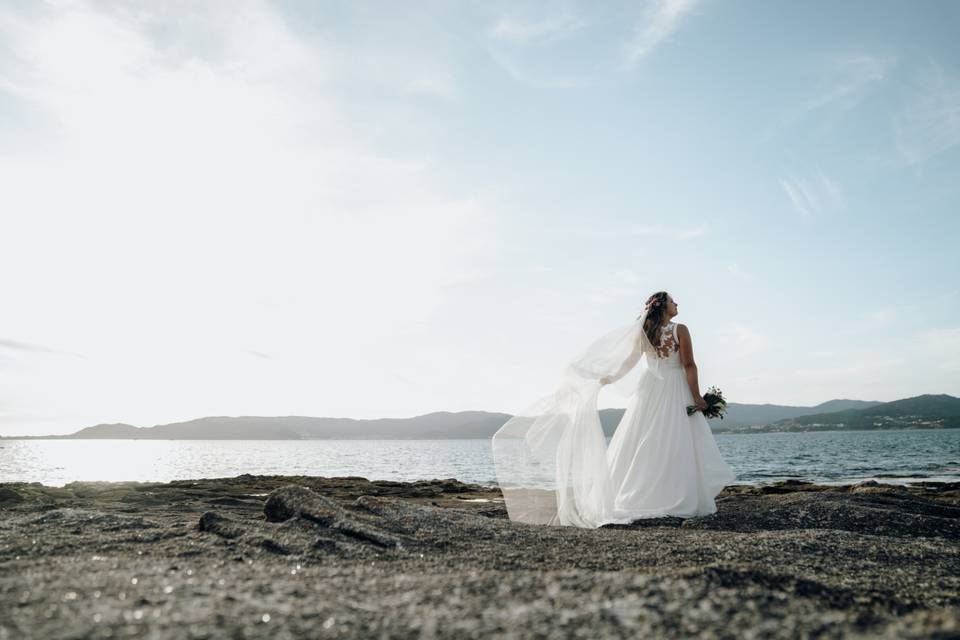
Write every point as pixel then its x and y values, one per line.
pixel 686 359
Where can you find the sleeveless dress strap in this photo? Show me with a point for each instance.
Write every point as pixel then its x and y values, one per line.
pixel 674 329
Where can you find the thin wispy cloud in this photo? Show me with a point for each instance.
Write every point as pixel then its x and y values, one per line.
pixel 516 30
pixel 813 196
pixel 847 80
pixel 744 341
pixel 929 352
pixel 843 82
pixel 660 19
pixel 867 369
pixel 930 122
pixel 26 347
pixel 524 44
pixel 924 361
pixel 947 295
pixel 624 283
pixel 518 73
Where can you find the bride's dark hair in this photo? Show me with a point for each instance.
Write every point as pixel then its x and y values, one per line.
pixel 658 308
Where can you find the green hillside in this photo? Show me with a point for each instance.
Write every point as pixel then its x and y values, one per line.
pixel 927 411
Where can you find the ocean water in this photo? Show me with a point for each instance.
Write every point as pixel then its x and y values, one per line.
pixel 826 457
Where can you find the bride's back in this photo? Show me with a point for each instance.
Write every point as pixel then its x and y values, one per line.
pixel 668 352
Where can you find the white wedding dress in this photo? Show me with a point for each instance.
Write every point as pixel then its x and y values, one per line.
pixel 552 461
pixel 662 461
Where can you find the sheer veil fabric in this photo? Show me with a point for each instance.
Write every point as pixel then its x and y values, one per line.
pixel 551 460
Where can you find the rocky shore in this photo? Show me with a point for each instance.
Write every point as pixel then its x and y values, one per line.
pixel 289 557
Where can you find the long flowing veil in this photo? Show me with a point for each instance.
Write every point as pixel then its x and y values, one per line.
pixel 550 459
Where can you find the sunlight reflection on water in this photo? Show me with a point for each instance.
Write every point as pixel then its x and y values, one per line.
pixel 890 456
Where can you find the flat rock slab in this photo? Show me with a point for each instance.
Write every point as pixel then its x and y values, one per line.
pixel 253 557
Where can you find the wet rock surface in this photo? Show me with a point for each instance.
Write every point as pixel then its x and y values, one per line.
pixel 284 557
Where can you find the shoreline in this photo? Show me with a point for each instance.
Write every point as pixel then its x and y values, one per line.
pixel 735 431
pixel 491 485
pixel 253 556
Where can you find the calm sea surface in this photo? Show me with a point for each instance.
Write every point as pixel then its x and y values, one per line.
pixel 831 457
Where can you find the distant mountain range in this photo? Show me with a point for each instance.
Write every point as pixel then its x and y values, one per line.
pixel 920 412
pixel 752 417
pixel 439 425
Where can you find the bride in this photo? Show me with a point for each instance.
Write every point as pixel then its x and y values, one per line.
pixel 552 461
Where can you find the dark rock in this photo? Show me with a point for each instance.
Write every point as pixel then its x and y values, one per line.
pixel 294 501
pixel 290 501
pixel 232 502
pixel 332 546
pixel 86 520
pixel 215 523
pixel 877 512
pixel 665 521
pixel 9 497
pixel 271 545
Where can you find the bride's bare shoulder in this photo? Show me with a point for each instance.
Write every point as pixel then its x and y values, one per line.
pixel 682 330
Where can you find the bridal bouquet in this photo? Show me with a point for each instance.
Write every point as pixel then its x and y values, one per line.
pixel 716 405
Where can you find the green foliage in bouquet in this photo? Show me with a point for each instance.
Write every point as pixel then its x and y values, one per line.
pixel 716 405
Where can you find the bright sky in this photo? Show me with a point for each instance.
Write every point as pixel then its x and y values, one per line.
pixel 366 209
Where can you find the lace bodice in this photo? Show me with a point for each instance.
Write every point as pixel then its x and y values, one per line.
pixel 669 345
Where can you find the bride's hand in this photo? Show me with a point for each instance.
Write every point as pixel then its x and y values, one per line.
pixel 604 380
pixel 700 403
